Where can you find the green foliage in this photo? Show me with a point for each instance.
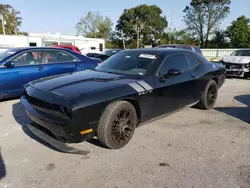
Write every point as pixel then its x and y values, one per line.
pixel 146 19
pixel 22 33
pixel 12 18
pixel 203 16
pixel 94 25
pixel 239 32
pixel 219 40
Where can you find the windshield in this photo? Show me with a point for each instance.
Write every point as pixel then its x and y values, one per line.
pixel 241 53
pixel 128 63
pixel 5 53
pixel 111 52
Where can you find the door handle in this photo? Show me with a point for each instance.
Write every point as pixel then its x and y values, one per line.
pixel 77 64
pixel 39 68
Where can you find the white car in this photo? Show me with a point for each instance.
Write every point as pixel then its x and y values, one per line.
pixel 238 63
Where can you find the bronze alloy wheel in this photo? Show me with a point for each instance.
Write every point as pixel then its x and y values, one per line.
pixel 211 95
pixel 122 129
pixel 117 124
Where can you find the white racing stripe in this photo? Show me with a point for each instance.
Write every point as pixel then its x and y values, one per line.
pixel 145 85
pixel 137 87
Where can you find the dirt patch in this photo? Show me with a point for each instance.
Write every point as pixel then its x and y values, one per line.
pixel 50 166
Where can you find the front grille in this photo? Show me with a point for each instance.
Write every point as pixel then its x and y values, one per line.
pixel 41 103
pixel 233 66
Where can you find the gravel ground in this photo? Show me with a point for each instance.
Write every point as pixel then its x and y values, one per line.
pixel 191 148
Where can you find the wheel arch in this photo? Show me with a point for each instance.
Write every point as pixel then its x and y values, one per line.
pixel 216 80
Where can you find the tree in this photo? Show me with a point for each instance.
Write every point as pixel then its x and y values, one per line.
pixel 239 32
pixel 219 40
pixel 12 19
pixel 203 16
pixel 141 22
pixel 94 25
pixel 181 37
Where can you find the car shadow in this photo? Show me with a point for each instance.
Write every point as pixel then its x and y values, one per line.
pixel 9 99
pixel 2 167
pixel 22 119
pixel 96 142
pixel 242 113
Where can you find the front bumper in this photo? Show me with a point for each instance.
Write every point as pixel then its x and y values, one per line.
pixel 62 128
pixel 236 69
pixel 54 142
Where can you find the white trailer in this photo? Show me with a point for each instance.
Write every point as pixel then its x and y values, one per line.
pixel 85 45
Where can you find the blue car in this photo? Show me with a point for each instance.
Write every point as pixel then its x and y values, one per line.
pixel 19 66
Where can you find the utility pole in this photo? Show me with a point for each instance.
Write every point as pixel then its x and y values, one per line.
pixel 123 41
pixel 138 36
pixel 2 24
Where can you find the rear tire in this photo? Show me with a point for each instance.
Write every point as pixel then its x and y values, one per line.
pixel 117 125
pixel 209 96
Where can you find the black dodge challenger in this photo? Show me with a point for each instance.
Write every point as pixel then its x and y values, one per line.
pixel 129 88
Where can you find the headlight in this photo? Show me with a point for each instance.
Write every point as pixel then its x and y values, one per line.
pixel 66 111
pixel 247 65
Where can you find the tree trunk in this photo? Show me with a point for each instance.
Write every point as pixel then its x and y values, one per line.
pixel 201 42
pixel 206 43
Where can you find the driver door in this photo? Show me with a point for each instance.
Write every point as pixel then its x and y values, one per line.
pixel 27 66
pixel 174 91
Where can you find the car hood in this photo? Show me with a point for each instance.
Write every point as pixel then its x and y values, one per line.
pixel 81 83
pixel 236 59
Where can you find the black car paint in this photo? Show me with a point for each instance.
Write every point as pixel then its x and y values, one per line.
pixel 86 94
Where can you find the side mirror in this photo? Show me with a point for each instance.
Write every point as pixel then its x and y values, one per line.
pixel 9 64
pixel 171 72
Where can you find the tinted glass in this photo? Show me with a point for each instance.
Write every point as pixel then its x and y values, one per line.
pixel 193 61
pixel 198 50
pixel 6 53
pixel 28 58
pixel 178 62
pixel 128 63
pixel 54 56
pixel 241 53
pixel 111 52
pixel 100 47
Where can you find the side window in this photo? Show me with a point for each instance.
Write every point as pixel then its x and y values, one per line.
pixel 100 47
pixel 28 58
pixel 198 50
pixel 54 56
pixel 174 62
pixel 193 61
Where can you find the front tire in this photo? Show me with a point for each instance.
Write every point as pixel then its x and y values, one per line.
pixel 117 125
pixel 209 96
pixel 246 75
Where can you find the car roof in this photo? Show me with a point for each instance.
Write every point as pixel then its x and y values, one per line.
pixel 69 46
pixel 244 49
pixel 186 45
pixel 18 49
pixel 165 51
pixel 116 49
